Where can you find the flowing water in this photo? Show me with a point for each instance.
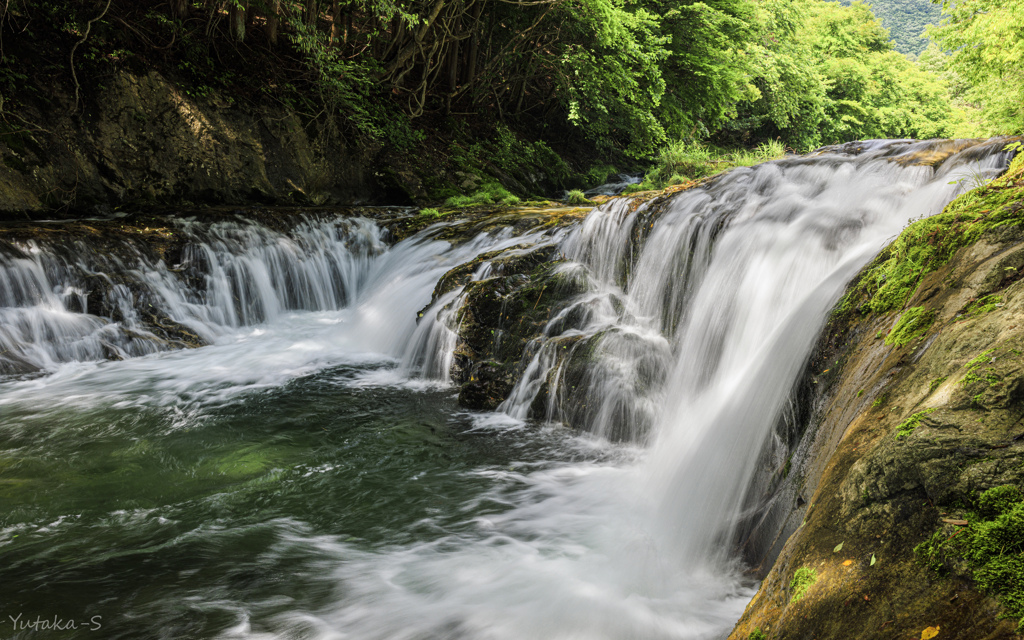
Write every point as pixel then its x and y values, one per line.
pixel 309 474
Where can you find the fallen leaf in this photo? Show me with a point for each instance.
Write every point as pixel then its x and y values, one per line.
pixel 839 547
pixel 866 598
pixel 848 563
pixel 929 633
pixel 959 523
pixel 873 561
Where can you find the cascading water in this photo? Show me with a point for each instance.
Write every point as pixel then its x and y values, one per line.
pixel 297 477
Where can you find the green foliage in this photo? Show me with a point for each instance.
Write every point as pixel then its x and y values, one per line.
pixel 431 213
pixel 803 578
pixel 991 548
pixel 344 84
pixel 827 73
pixel 680 158
pixel 907 427
pixel 906 21
pixel 577 197
pixel 757 634
pixel 913 322
pixel 986 46
pixel 681 162
pixel 488 194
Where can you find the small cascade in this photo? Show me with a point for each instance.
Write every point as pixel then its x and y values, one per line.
pixel 115 298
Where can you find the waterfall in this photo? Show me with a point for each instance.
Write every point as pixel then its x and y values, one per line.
pixel 690 320
pixel 701 315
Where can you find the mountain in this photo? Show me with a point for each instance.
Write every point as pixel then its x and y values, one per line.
pixel 906 21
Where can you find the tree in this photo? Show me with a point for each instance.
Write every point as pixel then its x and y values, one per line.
pixel 985 41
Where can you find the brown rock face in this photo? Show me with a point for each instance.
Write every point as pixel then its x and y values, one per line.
pixel 143 140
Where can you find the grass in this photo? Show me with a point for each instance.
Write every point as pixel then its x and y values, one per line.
pixel 991 546
pixel 490 193
pixel 681 162
pixel 577 197
pixel 803 578
pixel 981 306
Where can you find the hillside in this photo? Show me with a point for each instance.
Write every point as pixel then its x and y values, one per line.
pixel 906 21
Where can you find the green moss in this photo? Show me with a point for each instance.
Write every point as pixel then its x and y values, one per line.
pixel 803 578
pixel 990 549
pixel 982 306
pixel 907 427
pixel 431 213
pixel 935 384
pixel 973 368
pixel 999 500
pixel 757 634
pixel 928 244
pixel 913 323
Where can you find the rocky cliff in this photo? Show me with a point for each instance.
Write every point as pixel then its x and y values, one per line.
pixel 907 519
pixel 142 140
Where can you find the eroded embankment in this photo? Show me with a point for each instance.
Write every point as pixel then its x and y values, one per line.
pixel 919 382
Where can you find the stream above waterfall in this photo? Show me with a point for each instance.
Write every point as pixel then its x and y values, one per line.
pixel 306 470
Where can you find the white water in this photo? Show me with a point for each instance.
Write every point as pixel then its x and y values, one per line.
pixel 700 344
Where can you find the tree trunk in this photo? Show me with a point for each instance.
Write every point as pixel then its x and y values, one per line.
pixel 453 66
pixel 273 20
pixel 469 71
pixel 336 22
pixel 179 9
pixel 312 11
pixel 236 22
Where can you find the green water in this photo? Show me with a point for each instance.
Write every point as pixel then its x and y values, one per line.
pixel 126 512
